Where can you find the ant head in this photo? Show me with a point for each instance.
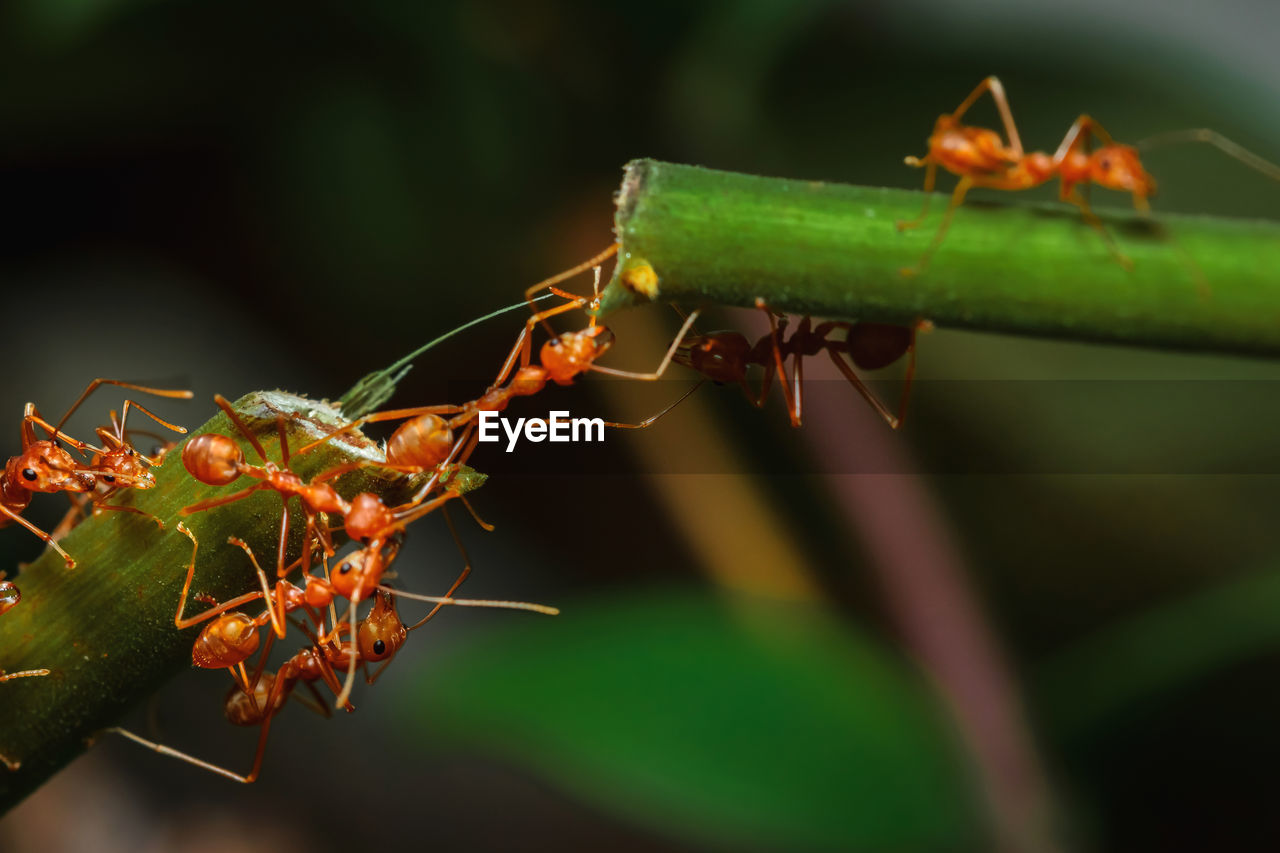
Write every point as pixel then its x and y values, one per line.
pixel 368 518
pixel 213 459
pixel 571 353
pixel 719 356
pixel 381 633
pixel 226 641
pixel 9 596
pixel 124 463
pixel 249 709
pixel 359 573
pixel 876 345
pixel 47 467
pixel 1117 167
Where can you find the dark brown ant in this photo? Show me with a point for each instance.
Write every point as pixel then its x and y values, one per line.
pixel 724 357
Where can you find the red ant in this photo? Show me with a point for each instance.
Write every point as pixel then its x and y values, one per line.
pixel 118 464
pixel 980 158
pixel 44 466
pixel 725 356
pixel 426 441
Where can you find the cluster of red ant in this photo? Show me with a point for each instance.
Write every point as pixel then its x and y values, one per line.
pixel 436 440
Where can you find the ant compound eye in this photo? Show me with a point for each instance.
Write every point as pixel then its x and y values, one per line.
pixel 379 647
pixel 28 473
pixel 107 478
pixel 1105 164
pixel 345 568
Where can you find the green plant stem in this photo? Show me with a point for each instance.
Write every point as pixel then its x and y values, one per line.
pixel 1038 269
pixel 106 628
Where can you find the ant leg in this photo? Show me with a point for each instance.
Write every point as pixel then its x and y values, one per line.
pixel 32 416
pixel 283 546
pixel 544 609
pixel 124 415
pixel 275 604
pixel 801 334
pixel 910 375
pixel 1077 134
pixel 666 359
pixel 217 502
pixel 25 673
pixel 71 564
pixel 867 393
pixel 375 417
pixel 132 509
pixel 484 525
pixel 1092 219
pixel 957 198
pixel 239 424
pixel 182 622
pixel 93 386
pixel 996 88
pixel 649 421
pixel 523 347
pixel 930 178
pixel 462 576
pixel 187 757
pixel 73 517
pixel 778 361
pixel 317 703
pixel 546 283
pixel 272 700
pixel 284 440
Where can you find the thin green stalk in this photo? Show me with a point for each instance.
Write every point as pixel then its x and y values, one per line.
pixel 106 629
pixel 692 235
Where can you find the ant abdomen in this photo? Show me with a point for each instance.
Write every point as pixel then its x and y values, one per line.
pixel 226 641
pixel 249 709
pixel 424 441
pixel 872 346
pixel 213 459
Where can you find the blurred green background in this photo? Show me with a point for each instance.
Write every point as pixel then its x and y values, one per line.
pixel 1044 616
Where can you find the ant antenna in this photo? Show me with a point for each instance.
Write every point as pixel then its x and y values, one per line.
pixel 1217 140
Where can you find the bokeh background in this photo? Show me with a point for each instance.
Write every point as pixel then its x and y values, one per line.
pixel 1044 616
